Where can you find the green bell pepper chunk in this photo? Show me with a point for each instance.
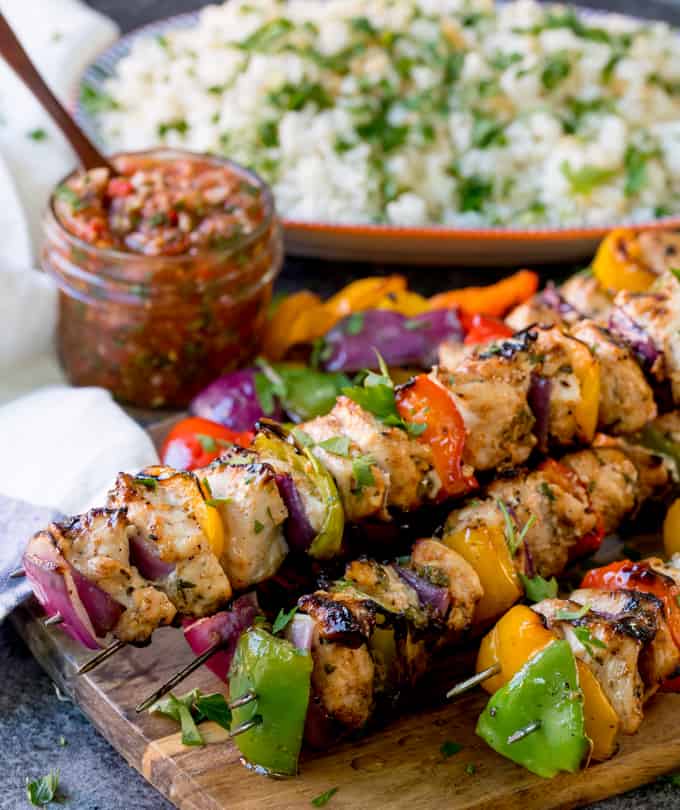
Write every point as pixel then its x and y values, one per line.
pixel 536 719
pixel 309 393
pixel 328 541
pixel 654 439
pixel 279 674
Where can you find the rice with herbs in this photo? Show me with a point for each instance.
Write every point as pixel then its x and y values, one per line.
pixel 412 112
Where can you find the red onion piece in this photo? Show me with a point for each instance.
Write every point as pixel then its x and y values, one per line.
pixel 300 631
pixel 225 626
pixel 52 581
pixel 554 299
pixel 431 596
pixel 644 348
pixel 102 608
pixel 298 530
pixel 232 400
pixel 538 398
pixel 144 556
pixel 352 343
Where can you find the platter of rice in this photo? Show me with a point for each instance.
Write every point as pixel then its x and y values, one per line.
pixel 453 131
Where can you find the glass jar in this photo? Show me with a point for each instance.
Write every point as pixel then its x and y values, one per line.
pixel 155 330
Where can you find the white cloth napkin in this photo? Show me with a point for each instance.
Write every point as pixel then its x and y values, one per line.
pixel 60 447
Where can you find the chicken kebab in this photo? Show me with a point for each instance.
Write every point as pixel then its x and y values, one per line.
pixel 171 542
pixel 568 676
pixel 373 634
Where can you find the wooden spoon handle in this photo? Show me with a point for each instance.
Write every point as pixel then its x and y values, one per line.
pixel 17 58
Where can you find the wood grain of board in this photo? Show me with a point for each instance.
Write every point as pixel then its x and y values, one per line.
pixel 399 766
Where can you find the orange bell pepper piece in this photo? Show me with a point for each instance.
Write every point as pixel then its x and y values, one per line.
pixel 425 402
pixel 618 263
pixel 277 331
pixel 486 549
pixel 495 299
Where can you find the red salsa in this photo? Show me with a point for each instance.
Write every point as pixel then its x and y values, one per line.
pixel 165 273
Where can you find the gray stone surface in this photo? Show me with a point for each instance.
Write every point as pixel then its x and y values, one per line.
pixel 32 719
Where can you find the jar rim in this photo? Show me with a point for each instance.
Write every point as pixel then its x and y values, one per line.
pixel 122 255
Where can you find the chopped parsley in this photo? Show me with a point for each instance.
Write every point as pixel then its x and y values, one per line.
pixel 635 165
pixel 572 615
pixel 193 708
pixel 267 36
pixel 376 395
pixel 96 101
pixel 178 125
pixel 338 445
pixel 323 798
pixel 448 748
pixel 354 324
pixel 513 538
pixel 258 527
pixel 538 588
pixel 37 134
pixel 546 490
pixel 588 640
pixel 42 791
pixel 473 192
pixel 269 133
pixel 487 131
pixel 283 620
pixel 587 178
pixel 69 196
pixel 556 69
pixel 297 96
pixel 208 443
pixel 147 481
pixel 362 473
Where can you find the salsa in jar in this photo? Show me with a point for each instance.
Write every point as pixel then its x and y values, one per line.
pixel 165 272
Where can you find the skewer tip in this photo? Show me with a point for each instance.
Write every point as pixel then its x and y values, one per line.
pixel 20 572
pixel 475 680
pixel 56 618
pixel 100 657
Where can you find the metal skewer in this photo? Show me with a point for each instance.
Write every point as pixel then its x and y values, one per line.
pixel 178 677
pixel 20 572
pixel 100 657
pixel 56 618
pixel 475 680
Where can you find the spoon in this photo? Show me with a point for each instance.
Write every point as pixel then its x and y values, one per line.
pixel 17 58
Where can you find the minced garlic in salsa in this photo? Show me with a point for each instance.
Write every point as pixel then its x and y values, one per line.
pixel 165 273
pixel 160 207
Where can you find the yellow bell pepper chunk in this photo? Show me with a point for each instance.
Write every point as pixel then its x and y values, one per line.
pixel 210 521
pixel 618 263
pixel 516 638
pixel 486 550
pixel 602 722
pixel 276 338
pixel 586 411
pixel 404 301
pixel 363 294
pixel 671 529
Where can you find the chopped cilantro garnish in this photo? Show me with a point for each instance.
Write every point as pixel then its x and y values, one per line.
pixel 37 134
pixel 362 472
pixel 354 323
pixel 588 640
pixel 538 588
pixel 338 445
pixel 587 178
pixel 42 791
pixel 448 748
pixel 513 538
pixel 555 70
pixel 208 443
pixel 283 620
pixel 258 527
pixel 146 481
pixel 572 615
pixel 323 798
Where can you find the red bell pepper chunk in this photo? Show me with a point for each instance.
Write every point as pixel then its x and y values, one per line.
pixel 640 576
pixel 423 401
pixel 195 442
pixel 483 329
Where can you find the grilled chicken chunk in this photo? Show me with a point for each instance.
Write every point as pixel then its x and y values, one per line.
pixel 659 656
pixel 97 545
pixel 405 462
pixel 253 514
pixel 626 398
pixel 669 426
pixel 561 518
pixel 611 480
pixel 343 616
pixel 559 357
pixel 442 566
pixel 170 514
pixel 653 471
pixel 360 501
pixel 611 650
pixel 387 588
pixel 657 313
pixel 660 250
pixel 490 391
pixel 585 293
pixel 535 312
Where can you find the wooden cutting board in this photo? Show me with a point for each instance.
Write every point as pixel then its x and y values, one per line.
pixel 400 766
